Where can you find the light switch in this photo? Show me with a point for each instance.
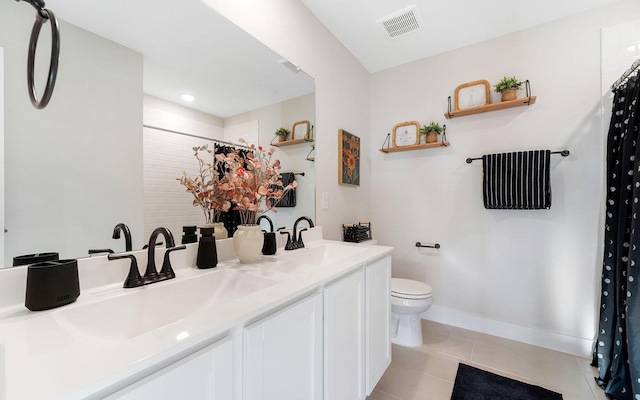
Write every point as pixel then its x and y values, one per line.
pixel 325 200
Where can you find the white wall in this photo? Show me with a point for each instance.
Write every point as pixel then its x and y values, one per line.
pixel 69 173
pixel 535 272
pixel 342 96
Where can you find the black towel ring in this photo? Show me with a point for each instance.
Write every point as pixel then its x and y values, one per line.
pixel 41 17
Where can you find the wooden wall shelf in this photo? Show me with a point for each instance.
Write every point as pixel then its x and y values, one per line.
pixel 524 101
pixel 291 142
pixel 415 147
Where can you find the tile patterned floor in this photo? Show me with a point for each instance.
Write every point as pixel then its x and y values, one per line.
pixel 428 372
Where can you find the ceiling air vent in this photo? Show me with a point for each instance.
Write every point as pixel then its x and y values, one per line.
pixel 402 22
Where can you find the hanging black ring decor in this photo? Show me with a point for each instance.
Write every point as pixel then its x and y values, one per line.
pixel 43 15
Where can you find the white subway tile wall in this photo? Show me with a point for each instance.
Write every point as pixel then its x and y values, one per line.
pixel 166 203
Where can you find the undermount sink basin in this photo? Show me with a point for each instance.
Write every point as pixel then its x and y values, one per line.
pixel 147 308
pixel 323 254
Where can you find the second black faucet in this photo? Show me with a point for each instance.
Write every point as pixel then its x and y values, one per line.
pixel 296 242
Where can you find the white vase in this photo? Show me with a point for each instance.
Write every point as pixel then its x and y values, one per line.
pixel 219 231
pixel 247 242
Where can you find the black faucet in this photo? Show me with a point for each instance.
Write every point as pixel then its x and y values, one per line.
pixel 151 273
pixel 133 278
pixel 295 241
pixel 127 235
pixel 268 220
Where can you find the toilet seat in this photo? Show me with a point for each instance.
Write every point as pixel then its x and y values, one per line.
pixel 410 289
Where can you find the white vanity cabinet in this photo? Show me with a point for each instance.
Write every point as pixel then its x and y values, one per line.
pixel 317 331
pixel 283 354
pixel 204 375
pixel 357 343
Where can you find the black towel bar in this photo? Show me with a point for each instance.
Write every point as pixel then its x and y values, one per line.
pixel 430 246
pixel 563 153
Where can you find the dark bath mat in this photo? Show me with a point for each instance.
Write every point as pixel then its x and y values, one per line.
pixel 476 384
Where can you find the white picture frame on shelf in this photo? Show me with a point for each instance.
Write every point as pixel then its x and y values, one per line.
pixel 301 130
pixel 406 134
pixel 472 94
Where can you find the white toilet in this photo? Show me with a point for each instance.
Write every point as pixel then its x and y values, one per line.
pixel 409 299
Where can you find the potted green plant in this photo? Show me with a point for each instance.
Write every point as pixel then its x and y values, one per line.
pixel 431 131
pixel 508 87
pixel 282 134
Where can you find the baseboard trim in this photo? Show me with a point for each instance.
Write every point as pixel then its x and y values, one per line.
pixel 538 337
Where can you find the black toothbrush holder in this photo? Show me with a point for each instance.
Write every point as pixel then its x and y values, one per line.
pixel 51 284
pixel 29 259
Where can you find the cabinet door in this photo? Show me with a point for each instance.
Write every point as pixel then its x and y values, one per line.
pixel 204 375
pixel 283 354
pixel 378 315
pixel 344 338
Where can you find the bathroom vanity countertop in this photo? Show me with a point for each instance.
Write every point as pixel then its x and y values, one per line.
pixel 76 352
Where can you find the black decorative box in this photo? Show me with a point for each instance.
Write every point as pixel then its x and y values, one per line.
pixel 356 233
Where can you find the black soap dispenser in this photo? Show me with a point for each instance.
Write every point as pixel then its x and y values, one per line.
pixel 207 251
pixel 189 234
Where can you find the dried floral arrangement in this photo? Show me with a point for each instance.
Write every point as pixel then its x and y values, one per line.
pixel 236 180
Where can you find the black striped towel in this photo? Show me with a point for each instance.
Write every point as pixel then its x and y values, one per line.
pixel 289 198
pixel 518 180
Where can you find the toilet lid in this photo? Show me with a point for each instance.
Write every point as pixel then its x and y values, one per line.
pixel 410 289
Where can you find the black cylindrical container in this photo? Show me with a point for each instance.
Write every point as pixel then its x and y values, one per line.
pixel 207 251
pixel 269 246
pixel 51 284
pixel 189 234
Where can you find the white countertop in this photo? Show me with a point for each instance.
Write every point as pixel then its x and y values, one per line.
pixel 46 357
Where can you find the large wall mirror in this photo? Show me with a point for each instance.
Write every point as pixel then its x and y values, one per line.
pixel 116 133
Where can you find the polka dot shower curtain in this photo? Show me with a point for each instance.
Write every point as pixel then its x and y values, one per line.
pixel 617 351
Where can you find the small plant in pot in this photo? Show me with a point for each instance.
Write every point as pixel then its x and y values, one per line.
pixel 508 87
pixel 282 134
pixel 431 131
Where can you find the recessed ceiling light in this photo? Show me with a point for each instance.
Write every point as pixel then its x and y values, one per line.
pixel 187 97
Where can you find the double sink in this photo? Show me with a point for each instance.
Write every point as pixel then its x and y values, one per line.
pixel 127 313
